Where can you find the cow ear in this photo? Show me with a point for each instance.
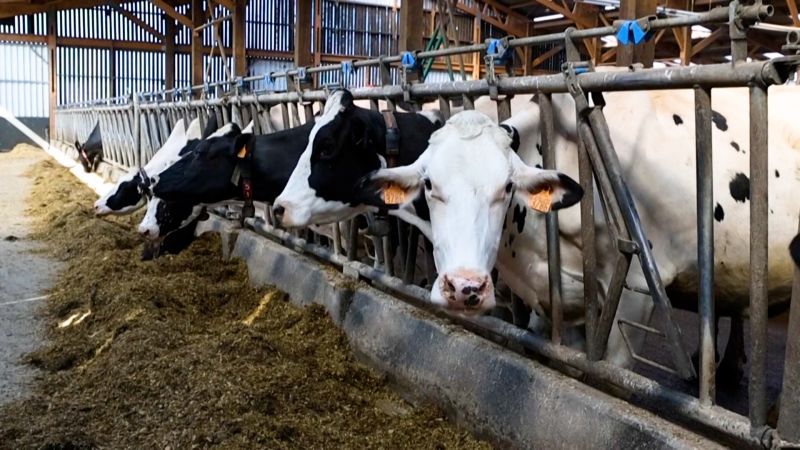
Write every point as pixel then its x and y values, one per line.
pixel 546 190
pixel 242 145
pixel 391 188
pixel 513 134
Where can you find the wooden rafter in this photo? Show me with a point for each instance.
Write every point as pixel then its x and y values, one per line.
pixel 170 11
pixel 546 55
pixel 713 37
pixel 228 4
pixel 792 4
pixel 498 15
pixel 135 19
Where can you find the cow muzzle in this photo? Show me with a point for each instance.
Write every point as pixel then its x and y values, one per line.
pixel 467 291
pixel 149 231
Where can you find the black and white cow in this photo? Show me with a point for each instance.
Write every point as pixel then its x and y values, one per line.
pixel 91 152
pixel 131 190
pixel 654 137
pixel 346 143
pixel 205 176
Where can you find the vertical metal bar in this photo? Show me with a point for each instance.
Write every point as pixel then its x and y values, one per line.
pixel 504 109
pixel 352 241
pixel 411 255
pixel 759 208
pixel 789 415
pixel 599 127
pixel 588 239
pixel 137 132
pixel 705 243
pixel 551 220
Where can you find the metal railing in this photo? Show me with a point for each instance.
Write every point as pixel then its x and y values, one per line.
pixel 134 127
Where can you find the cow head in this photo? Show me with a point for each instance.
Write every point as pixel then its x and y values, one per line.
pixel 163 217
pixel 132 189
pixel 89 158
pixel 468 176
pixel 342 148
pixel 203 175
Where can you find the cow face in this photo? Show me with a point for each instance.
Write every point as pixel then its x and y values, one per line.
pixel 204 174
pixel 468 176
pixel 89 159
pixel 342 148
pixel 163 217
pixel 128 196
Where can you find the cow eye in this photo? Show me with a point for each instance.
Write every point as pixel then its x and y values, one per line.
pixel 509 186
pixel 428 184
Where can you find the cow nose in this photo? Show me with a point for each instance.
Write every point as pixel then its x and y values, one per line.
pixel 145 232
pixel 466 289
pixel 278 211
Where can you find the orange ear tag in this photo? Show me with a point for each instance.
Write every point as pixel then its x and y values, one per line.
pixel 242 153
pixel 541 200
pixel 393 194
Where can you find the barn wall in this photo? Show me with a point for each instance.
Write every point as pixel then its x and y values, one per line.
pixel 350 29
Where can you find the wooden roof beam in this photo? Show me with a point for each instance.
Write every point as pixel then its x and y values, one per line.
pixel 135 19
pixel 713 37
pixel 514 23
pixel 170 11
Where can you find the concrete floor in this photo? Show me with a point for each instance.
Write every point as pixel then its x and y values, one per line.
pixel 23 275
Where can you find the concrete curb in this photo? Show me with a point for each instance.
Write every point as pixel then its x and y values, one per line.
pixel 511 400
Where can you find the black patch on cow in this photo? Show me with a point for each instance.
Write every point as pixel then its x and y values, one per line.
pixel 519 217
pixel 514 134
pixel 794 250
pixel 173 243
pixel 127 194
pixel 513 254
pixel 511 238
pixel 677 119
pixel 170 215
pixel 777 174
pixel 719 213
pixel 538 166
pixel 505 222
pixel 719 120
pixel 735 146
pixel 539 147
pixel 740 187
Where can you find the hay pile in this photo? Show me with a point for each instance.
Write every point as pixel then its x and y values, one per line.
pixel 182 353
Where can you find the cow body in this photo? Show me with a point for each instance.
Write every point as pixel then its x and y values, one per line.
pixel 204 176
pixel 346 143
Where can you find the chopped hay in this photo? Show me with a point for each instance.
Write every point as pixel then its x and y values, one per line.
pixel 181 352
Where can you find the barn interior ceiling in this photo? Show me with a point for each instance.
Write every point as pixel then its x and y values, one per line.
pixel 530 17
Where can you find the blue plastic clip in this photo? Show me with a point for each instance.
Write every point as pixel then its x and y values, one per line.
pixel 240 82
pixel 301 73
pixel 631 31
pixel 268 81
pixel 347 67
pixel 408 61
pixel 497 50
pixel 206 88
pixel 581 70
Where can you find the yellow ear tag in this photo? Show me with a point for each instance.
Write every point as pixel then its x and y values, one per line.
pixel 393 194
pixel 242 153
pixel 541 200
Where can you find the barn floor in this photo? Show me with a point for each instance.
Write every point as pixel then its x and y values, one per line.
pixel 24 273
pixel 182 353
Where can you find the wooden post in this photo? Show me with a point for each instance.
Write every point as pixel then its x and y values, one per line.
pixel 411 25
pixel 476 38
pixel 645 52
pixel 169 54
pixel 317 32
pixel 302 34
pixel 239 37
pixel 527 52
pixel 198 18
pixel 51 51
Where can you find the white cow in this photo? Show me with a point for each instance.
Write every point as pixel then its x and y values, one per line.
pixel 654 137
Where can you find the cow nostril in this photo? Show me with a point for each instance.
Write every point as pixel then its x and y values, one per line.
pixel 279 210
pixel 145 232
pixel 467 290
pixel 472 300
pixel 448 285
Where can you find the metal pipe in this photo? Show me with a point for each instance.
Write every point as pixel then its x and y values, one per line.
pixel 551 220
pixel 589 243
pixel 759 208
pixel 705 244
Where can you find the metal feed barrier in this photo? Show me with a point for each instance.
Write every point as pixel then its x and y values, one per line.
pixel 134 127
